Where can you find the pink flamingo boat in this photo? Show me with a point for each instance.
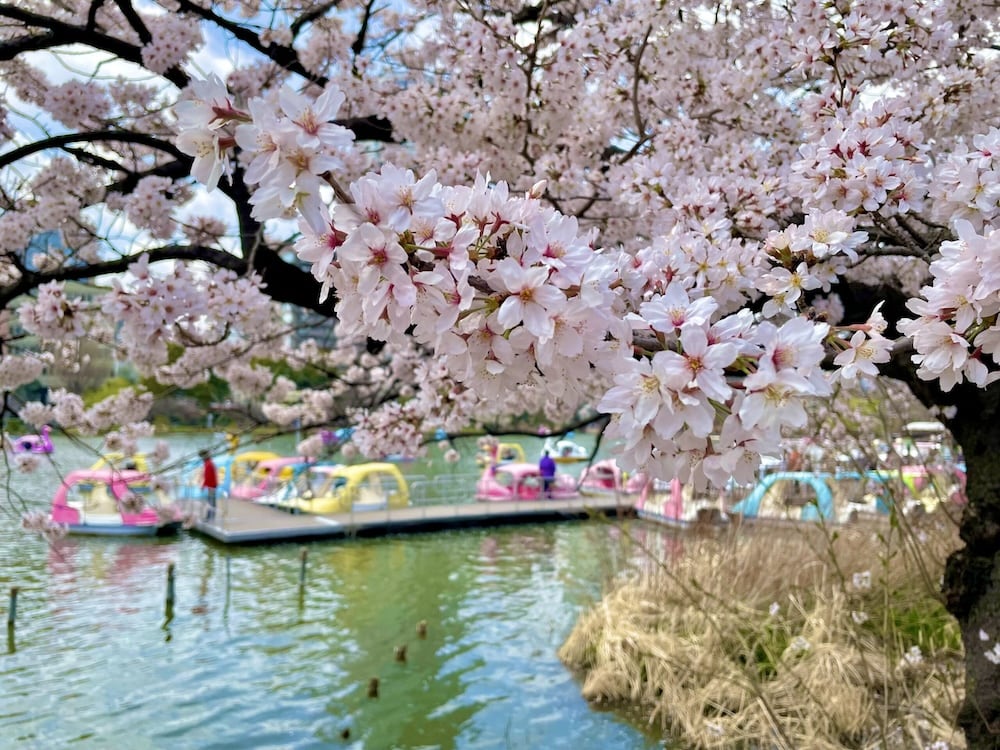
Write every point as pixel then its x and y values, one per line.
pixel 522 481
pixel 266 476
pixel 674 504
pixel 41 443
pixel 606 478
pixel 111 502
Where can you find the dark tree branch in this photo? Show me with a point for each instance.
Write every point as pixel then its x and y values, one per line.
pixel 898 251
pixel 284 57
pixel 60 33
pixel 288 283
pixel 859 299
pixel 92 14
pixel 366 128
pixel 359 41
pixel 544 11
pixel 175 170
pixel 370 128
pixel 284 281
pixel 119 136
pixel 640 124
pixel 135 21
pixel 86 157
pixel 12 48
pixel 308 17
pixel 31 279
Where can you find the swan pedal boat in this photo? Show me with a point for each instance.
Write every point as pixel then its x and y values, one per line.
pixel 673 504
pixel 336 488
pixel 606 478
pixel 40 443
pixel 847 496
pixel 118 460
pixel 266 477
pixel 502 453
pixel 231 470
pixel 522 481
pixel 109 502
pixel 565 451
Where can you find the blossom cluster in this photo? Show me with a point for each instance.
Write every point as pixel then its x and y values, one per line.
pixel 966 185
pixel 41 523
pixel 956 334
pixel 18 370
pixel 807 256
pixel 509 294
pixel 861 156
pixel 174 36
pixel 146 311
pixel 121 416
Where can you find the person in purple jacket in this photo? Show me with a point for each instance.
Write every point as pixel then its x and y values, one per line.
pixel 547 468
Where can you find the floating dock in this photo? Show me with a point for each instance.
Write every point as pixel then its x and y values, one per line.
pixel 241 522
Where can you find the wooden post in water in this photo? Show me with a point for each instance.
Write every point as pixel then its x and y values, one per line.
pixel 229 580
pixel 303 557
pixel 169 603
pixel 12 609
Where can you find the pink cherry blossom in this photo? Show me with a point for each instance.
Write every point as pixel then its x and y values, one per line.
pixel 531 301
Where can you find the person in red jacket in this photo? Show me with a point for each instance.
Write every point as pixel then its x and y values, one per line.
pixel 209 482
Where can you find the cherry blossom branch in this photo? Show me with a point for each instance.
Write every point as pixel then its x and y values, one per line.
pixel 641 137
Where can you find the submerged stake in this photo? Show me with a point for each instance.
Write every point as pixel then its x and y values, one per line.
pixel 170 588
pixel 303 555
pixel 12 609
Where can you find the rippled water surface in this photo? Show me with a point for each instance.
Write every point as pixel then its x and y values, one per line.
pixel 249 659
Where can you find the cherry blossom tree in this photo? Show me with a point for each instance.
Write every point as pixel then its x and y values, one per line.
pixel 691 218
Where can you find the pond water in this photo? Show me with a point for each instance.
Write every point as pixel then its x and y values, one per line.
pixel 251 659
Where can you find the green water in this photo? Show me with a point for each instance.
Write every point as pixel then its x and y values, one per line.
pixel 250 659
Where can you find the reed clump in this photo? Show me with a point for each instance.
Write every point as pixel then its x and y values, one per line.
pixel 784 638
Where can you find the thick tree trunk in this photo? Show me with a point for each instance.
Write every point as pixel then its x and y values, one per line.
pixel 972 576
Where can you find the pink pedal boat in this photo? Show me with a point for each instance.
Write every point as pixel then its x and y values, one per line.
pixel 517 481
pixel 112 502
pixel 40 443
pixel 605 478
pixel 266 477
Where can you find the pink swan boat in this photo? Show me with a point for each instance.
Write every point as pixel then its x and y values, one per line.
pixel 517 481
pixel 112 502
pixel 675 504
pixel 606 478
pixel 266 477
pixel 33 443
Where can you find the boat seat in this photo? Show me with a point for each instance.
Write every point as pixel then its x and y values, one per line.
pixel 773 503
pixel 847 491
pixel 369 498
pixel 531 491
pixel 99 500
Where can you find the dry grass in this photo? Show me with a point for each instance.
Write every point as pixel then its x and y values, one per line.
pixel 755 641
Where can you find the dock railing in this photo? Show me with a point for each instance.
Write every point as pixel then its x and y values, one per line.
pixel 442 489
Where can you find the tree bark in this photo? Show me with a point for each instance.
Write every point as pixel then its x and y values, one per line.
pixel 972 575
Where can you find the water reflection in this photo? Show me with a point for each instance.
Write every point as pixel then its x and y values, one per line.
pixel 123 564
pixel 252 658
